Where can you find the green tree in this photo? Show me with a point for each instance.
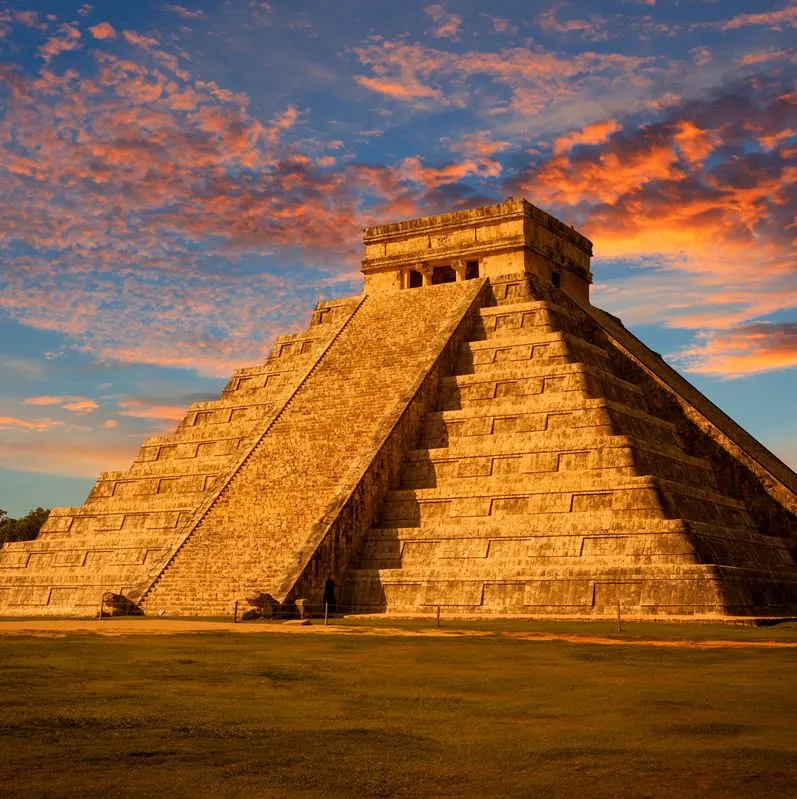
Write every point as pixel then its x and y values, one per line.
pixel 24 529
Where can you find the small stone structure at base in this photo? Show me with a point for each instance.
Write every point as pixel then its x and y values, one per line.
pixel 469 433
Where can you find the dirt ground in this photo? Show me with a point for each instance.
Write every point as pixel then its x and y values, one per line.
pixel 126 627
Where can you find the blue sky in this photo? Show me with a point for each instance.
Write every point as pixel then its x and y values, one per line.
pixel 181 182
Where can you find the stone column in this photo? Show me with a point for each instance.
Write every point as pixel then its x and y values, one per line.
pixel 460 268
pixel 426 271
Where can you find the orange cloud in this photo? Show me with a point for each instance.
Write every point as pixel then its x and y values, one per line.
pixel 67 38
pixel 405 89
pixel 119 175
pixel 104 30
pixel 744 350
pixel 706 200
pixel 596 133
pixel 431 177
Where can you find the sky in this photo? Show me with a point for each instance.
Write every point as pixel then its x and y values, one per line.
pixel 180 183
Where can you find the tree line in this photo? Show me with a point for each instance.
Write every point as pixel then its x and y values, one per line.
pixel 24 529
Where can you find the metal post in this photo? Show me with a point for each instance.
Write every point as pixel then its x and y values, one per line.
pixel 101 604
pixel 438 615
pixel 619 618
pixel 235 613
pixel 326 613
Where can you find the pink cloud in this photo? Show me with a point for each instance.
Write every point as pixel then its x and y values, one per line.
pixel 57 454
pixel 400 89
pixel 589 29
pixel 776 20
pixel 45 400
pixel 29 19
pixel 537 79
pixel 596 133
pixel 81 406
pixel 40 425
pixel 480 144
pixel 501 25
pixel 144 409
pixel 78 405
pixel 183 12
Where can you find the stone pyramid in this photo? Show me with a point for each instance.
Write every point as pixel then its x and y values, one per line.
pixel 469 433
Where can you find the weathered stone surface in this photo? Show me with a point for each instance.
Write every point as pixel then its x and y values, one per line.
pixel 470 433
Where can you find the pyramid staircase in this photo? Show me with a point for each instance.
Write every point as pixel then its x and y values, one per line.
pixel 553 479
pixel 273 515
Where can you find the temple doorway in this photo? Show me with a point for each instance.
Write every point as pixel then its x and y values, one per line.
pixel 443 274
pixel 329 595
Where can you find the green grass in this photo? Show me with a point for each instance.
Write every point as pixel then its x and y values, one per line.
pixel 223 715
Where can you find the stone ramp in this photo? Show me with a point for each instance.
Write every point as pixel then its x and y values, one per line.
pixel 551 479
pixel 263 525
pixel 131 519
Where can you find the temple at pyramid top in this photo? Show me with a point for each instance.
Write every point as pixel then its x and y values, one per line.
pixel 512 237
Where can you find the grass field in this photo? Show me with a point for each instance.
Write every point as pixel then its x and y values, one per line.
pixel 296 715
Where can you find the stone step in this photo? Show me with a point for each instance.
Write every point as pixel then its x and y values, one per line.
pixel 532 337
pixel 491 357
pixel 743 547
pixel 464 391
pixel 555 442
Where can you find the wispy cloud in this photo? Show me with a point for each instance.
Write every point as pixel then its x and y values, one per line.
pixel 77 405
pixel 159 411
pixel 38 425
pixel 594 28
pixel 446 24
pixel 743 350
pixel 183 12
pixel 778 20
